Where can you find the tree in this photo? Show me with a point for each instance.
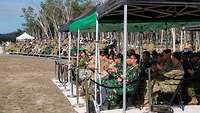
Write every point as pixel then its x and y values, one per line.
pixel 51 15
pixel 28 14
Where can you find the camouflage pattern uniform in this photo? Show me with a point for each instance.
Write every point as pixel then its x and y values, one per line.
pixel 82 67
pixel 169 80
pixel 113 94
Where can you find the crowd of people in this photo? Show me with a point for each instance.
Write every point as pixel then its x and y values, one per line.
pixel 47 47
pixel 168 71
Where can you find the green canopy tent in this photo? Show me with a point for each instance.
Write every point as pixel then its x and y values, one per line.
pixel 83 23
pixel 150 11
pixel 88 24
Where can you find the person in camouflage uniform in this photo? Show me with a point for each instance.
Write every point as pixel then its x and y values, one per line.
pixel 116 70
pixel 116 80
pixel 133 72
pixel 167 80
pixel 114 73
pixel 166 74
pixel 144 65
pixel 192 73
pixel 82 63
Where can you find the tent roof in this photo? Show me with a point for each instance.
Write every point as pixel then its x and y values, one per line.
pixel 83 22
pixel 25 36
pixel 88 23
pixel 150 10
pixel 143 15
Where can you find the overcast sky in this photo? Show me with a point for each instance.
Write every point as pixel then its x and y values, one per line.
pixel 10 12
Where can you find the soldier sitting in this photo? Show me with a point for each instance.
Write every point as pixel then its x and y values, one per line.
pixel 116 79
pixel 167 78
pixel 192 82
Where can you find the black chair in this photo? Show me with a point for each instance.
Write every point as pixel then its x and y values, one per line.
pixel 178 93
pixel 164 104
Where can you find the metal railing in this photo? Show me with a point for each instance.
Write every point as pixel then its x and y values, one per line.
pixel 40 55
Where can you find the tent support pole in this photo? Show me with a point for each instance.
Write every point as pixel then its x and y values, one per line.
pixel 69 65
pixel 97 62
pixel 77 62
pixel 124 58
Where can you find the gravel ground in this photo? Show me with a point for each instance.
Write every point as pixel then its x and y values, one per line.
pixel 26 86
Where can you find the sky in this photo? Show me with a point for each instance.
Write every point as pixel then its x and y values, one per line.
pixel 10 12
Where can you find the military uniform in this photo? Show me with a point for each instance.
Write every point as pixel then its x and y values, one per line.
pixel 132 74
pixel 192 84
pixel 111 94
pixel 118 73
pixel 82 66
pixel 169 80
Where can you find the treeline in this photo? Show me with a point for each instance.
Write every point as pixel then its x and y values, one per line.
pixel 44 21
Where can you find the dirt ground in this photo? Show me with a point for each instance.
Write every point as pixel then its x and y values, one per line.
pixel 26 86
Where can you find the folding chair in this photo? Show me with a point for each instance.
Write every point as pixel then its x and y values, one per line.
pixel 178 93
pixel 167 107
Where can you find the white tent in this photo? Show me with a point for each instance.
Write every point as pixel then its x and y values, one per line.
pixel 25 36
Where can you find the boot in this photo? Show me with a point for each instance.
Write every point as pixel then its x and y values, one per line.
pixel 193 101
